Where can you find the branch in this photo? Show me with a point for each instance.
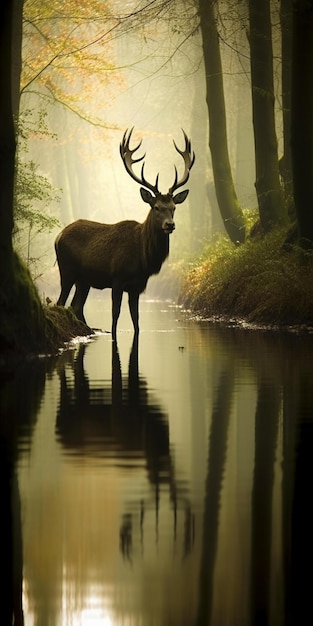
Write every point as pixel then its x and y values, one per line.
pixel 52 98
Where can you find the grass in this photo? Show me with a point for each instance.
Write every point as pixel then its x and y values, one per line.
pixel 62 325
pixel 259 281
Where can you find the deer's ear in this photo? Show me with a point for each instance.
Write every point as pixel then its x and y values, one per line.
pixel 147 196
pixel 180 197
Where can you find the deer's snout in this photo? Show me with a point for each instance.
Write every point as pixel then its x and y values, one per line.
pixel 168 226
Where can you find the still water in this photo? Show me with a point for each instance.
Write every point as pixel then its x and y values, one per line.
pixel 164 483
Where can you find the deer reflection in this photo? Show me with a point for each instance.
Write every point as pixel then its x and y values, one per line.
pixel 120 422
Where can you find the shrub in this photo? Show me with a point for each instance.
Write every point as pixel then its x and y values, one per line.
pixel 259 281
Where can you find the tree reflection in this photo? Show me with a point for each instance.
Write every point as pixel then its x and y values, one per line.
pixel 216 461
pixel 299 523
pixel 21 390
pixel 266 428
pixel 126 539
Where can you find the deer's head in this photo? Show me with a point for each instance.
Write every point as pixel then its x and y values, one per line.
pixel 163 205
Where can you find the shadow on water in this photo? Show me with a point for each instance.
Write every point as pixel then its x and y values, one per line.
pixel 266 430
pixel 217 452
pixel 199 502
pixel 21 391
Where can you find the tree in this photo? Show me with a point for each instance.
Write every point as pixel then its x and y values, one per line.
pixel 224 186
pixel 285 163
pixel 302 118
pixel 67 73
pixel 22 323
pixel 7 151
pixel 268 188
pixel 67 56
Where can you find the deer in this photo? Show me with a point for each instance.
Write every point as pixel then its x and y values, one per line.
pixel 121 256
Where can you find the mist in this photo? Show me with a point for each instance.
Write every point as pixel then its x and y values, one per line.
pixel 152 79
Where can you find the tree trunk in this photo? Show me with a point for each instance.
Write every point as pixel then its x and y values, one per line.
pixel 17 35
pixel 285 164
pixel 22 322
pixel 302 118
pixel 224 186
pixel 268 188
pixel 7 150
pixel 201 220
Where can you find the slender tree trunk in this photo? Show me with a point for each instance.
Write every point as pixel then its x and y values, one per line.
pixel 285 163
pixel 302 117
pixel 202 219
pixel 217 456
pixel 17 35
pixel 224 186
pixel 268 188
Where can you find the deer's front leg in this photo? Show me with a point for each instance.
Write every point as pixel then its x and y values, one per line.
pixel 117 293
pixel 133 302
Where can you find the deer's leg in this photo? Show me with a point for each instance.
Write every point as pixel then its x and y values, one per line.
pixel 64 295
pixel 133 303
pixel 66 286
pixel 79 299
pixel 117 294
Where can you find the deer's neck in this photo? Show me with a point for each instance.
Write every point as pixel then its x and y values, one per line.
pixel 155 246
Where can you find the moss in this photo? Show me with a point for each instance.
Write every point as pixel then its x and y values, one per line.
pixel 22 317
pixel 28 327
pixel 259 281
pixel 62 325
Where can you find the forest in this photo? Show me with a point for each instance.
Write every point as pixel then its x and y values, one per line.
pixel 236 76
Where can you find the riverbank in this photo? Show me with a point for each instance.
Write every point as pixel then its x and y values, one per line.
pixel 27 326
pixel 58 327
pixel 62 326
pixel 260 282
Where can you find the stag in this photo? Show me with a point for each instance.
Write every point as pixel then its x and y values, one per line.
pixel 124 255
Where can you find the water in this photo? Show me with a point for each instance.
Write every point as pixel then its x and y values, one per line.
pixel 161 484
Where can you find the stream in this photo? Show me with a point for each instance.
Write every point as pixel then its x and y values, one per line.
pixel 160 482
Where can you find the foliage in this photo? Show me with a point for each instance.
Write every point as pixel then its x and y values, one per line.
pixel 33 191
pixel 260 281
pixel 31 187
pixel 67 52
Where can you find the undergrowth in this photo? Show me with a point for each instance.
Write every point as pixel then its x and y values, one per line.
pixel 26 326
pixel 259 281
pixel 62 325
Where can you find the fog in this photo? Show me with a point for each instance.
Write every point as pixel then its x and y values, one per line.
pixel 153 81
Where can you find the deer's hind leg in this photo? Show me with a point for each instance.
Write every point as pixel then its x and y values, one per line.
pixel 79 299
pixel 133 303
pixel 67 283
pixel 67 273
pixel 117 294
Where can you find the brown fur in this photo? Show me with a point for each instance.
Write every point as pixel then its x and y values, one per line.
pixel 119 256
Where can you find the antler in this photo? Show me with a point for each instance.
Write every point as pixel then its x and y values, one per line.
pixel 189 159
pixel 126 154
